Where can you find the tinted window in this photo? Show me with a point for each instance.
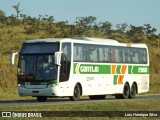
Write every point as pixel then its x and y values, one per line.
pixel 109 54
pixel 29 48
pixel 65 62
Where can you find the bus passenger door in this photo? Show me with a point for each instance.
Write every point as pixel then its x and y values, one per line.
pixel 65 62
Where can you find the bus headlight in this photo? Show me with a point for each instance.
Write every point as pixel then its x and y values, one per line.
pixel 52 85
pixel 20 85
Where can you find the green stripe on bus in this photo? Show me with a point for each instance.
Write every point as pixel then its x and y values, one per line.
pixel 118 69
pixel 115 79
pixel 106 69
pixel 138 69
pixel 129 69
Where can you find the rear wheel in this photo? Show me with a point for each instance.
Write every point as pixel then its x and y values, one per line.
pixel 126 92
pixel 76 93
pixel 97 97
pixel 133 91
pixel 42 99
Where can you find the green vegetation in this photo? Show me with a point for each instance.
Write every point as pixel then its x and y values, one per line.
pixel 14 30
pixel 124 105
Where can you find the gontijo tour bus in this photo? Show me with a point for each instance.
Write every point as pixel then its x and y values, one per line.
pixel 94 67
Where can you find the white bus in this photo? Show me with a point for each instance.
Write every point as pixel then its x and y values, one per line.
pixel 94 67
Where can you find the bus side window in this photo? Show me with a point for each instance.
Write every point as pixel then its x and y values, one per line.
pixel 134 55
pixel 118 55
pixel 113 56
pixel 107 54
pixel 84 53
pixel 143 56
pixel 88 54
pixel 126 56
pixel 78 52
pixel 75 53
pixel 101 54
pixel 95 56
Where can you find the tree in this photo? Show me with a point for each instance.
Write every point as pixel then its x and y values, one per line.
pixel 105 27
pixel 83 24
pixel 16 7
pixel 47 18
pixel 149 31
pixel 85 21
pixel 2 14
pixel 122 28
pixel 136 34
pixel 2 18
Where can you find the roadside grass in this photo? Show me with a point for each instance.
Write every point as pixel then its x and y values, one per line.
pixel 154 84
pixel 108 105
pixel 131 106
pixel 12 95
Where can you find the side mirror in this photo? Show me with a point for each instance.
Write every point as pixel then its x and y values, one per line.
pixel 57 58
pixel 12 58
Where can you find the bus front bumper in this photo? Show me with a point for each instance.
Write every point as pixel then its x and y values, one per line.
pixel 48 91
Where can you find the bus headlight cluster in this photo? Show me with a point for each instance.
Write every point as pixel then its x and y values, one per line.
pixel 20 85
pixel 52 85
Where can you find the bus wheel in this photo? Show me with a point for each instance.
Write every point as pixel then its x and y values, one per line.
pixel 97 97
pixel 76 93
pixel 133 91
pixel 42 99
pixel 126 91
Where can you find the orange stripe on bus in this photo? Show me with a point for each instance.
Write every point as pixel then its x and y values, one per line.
pixel 123 70
pixel 120 79
pixel 113 69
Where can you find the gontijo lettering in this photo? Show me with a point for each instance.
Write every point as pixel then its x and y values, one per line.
pixel 89 69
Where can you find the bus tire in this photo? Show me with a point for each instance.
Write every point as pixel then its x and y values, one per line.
pixel 97 97
pixel 41 99
pixel 126 91
pixel 133 91
pixel 76 93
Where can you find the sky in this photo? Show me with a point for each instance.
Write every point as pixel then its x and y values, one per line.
pixel 135 12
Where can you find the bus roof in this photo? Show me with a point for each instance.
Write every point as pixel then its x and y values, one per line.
pixel 97 39
pixel 86 40
pixel 72 39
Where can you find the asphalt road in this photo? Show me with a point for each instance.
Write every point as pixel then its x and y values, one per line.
pixel 52 101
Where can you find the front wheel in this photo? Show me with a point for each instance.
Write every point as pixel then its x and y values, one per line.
pixel 76 93
pixel 42 99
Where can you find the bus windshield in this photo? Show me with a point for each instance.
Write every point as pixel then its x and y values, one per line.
pixel 36 62
pixel 39 67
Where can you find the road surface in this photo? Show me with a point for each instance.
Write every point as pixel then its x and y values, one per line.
pixel 52 101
